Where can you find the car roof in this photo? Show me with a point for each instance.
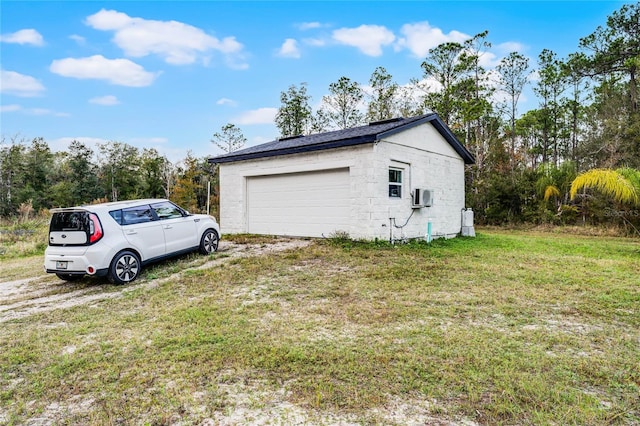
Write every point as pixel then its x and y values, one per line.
pixel 112 205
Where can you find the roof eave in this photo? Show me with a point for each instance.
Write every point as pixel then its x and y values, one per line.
pixel 432 118
pixel 293 150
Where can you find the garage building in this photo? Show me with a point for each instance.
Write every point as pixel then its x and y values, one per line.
pixel 385 180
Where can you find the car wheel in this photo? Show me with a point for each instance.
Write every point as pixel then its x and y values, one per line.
pixel 125 267
pixel 69 277
pixel 209 242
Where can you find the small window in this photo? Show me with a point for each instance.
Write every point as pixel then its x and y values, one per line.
pixel 395 183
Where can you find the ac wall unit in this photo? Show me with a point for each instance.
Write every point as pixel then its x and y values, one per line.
pixel 422 198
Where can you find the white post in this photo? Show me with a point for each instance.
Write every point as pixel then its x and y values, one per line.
pixel 208 194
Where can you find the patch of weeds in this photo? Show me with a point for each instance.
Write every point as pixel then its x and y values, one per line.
pixel 251 238
pixel 194 273
pixel 343 240
pixel 23 238
pixel 339 237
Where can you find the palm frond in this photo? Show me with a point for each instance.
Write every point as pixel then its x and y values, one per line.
pixel 632 175
pixel 551 191
pixel 607 181
pixel 543 183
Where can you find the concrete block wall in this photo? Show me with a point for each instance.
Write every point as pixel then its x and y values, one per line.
pixel 442 174
pixel 431 164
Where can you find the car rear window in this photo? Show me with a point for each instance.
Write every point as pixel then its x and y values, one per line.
pixel 70 221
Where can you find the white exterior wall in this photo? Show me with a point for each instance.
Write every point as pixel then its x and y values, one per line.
pixel 428 162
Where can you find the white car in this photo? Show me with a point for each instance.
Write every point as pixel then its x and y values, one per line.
pixel 116 239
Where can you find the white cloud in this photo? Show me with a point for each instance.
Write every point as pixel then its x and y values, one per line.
pixel 107 100
pixel 176 155
pixel 304 26
pixel 488 60
pixel 78 39
pixel 108 20
pixel 226 101
pixel 236 62
pixel 534 76
pixel 421 37
pixel 289 49
pixel 121 72
pixel 177 43
pixel 10 108
pixel 426 85
pixel 28 36
pixel 510 46
pixel 317 42
pixel 32 111
pixel 39 111
pixel 369 39
pixel 256 116
pixel 45 111
pixel 17 84
pixel 146 142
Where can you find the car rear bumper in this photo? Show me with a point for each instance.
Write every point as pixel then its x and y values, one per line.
pixel 75 262
pixel 98 273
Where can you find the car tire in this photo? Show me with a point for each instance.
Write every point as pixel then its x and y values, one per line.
pixel 69 277
pixel 209 242
pixel 125 268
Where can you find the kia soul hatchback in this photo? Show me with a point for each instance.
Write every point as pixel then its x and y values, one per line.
pixel 117 239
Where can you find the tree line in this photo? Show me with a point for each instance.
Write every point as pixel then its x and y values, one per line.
pixel 33 178
pixel 586 119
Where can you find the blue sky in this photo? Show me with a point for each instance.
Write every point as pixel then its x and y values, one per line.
pixel 169 74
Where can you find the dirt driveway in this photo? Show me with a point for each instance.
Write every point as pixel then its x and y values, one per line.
pixel 43 292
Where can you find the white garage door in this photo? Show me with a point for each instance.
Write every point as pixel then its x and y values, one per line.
pixel 309 204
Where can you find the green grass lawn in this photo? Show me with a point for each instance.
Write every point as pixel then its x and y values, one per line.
pixel 511 327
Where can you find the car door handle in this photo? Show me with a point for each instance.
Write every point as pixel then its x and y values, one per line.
pixel 168 227
pixel 131 232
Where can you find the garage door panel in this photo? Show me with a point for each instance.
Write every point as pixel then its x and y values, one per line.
pixel 300 204
pixel 288 214
pixel 307 195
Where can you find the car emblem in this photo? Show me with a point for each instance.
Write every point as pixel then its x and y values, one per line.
pixel 63 236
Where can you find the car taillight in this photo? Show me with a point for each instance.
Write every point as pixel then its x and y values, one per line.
pixel 95 229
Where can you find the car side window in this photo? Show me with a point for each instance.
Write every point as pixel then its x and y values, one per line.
pixel 167 210
pixel 140 214
pixel 117 216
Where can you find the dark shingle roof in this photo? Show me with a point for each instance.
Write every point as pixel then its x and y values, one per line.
pixel 340 138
